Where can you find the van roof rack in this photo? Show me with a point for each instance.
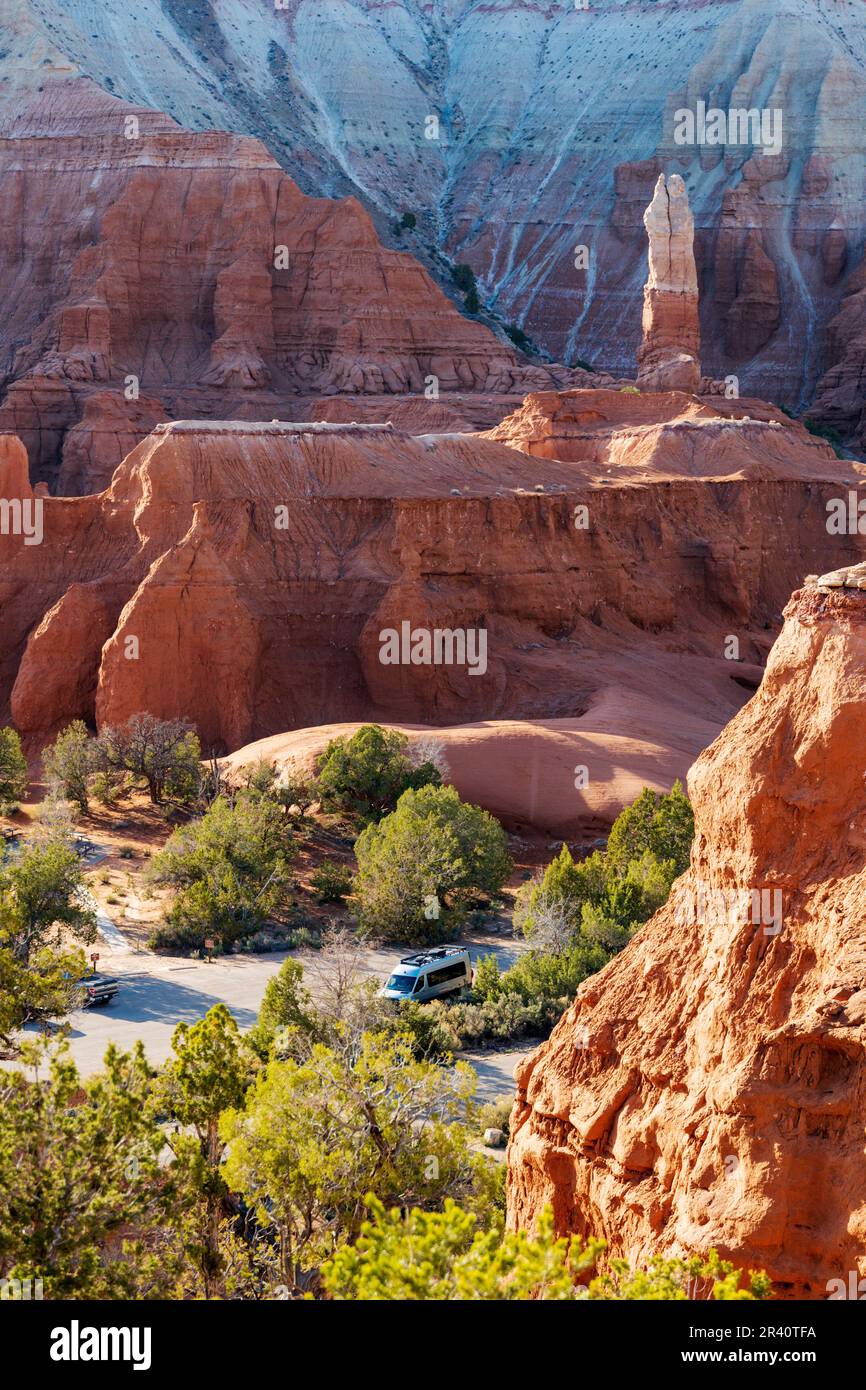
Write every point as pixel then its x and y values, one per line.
pixel 435 953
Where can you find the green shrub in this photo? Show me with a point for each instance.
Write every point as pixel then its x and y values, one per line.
pixel 487 979
pixel 419 867
pixel 367 774
pixel 444 1256
pixel 464 277
pixel 69 763
pixel 164 754
pixel 537 975
pixel 496 1114
pixel 496 1020
pixel 826 432
pixel 517 336
pixel 13 770
pixel 332 881
pixel 662 823
pixel 229 870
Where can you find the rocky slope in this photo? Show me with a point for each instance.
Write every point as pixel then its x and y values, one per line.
pixel 533 157
pixel 707 1088
pixel 147 272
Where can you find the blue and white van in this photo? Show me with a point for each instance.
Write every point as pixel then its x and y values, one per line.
pixel 430 974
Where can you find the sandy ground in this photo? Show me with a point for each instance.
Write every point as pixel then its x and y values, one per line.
pixel 543 777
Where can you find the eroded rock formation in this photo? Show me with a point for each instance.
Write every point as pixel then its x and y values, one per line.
pixel 669 355
pixel 535 150
pixel 840 399
pixel 707 1088
pixel 242 574
pixel 189 276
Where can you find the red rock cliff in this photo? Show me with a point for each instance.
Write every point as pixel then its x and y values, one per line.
pixel 257 565
pixel 708 1088
pixel 189 269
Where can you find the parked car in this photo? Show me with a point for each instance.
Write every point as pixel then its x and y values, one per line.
pixel 432 974
pixel 95 990
pixel 89 992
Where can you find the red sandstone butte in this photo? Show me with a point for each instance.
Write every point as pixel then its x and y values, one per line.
pixel 606 638
pixel 707 1088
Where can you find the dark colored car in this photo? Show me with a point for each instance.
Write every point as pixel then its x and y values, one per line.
pixel 95 990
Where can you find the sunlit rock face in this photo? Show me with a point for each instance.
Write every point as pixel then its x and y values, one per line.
pixel 150 272
pixel 669 354
pixel 516 133
pixel 708 1088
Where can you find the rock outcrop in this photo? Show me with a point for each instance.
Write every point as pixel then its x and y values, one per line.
pixel 502 128
pixel 706 1090
pixel 242 574
pixel 191 276
pixel 669 355
pixel 840 398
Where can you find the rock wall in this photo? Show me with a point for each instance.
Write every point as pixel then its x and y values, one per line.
pixel 241 575
pixel 552 125
pixel 707 1089
pixel 188 275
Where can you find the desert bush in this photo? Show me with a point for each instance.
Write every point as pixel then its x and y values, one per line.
pixel 501 1019
pixel 331 881
pixel 315 1134
pixel 420 866
pixel 13 770
pixel 496 1114
pixel 164 754
pixel 229 870
pixel 367 774
pixel 605 897
pixel 70 762
pixel 444 1256
pixel 288 787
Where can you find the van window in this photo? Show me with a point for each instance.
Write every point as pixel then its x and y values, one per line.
pixel 420 983
pixel 457 971
pixel 402 984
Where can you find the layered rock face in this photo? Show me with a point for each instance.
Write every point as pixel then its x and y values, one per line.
pixel 669 355
pixel 840 399
pixel 189 275
pixel 707 1089
pixel 505 129
pixel 242 575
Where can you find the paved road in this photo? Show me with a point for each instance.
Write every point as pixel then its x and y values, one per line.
pixel 156 993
